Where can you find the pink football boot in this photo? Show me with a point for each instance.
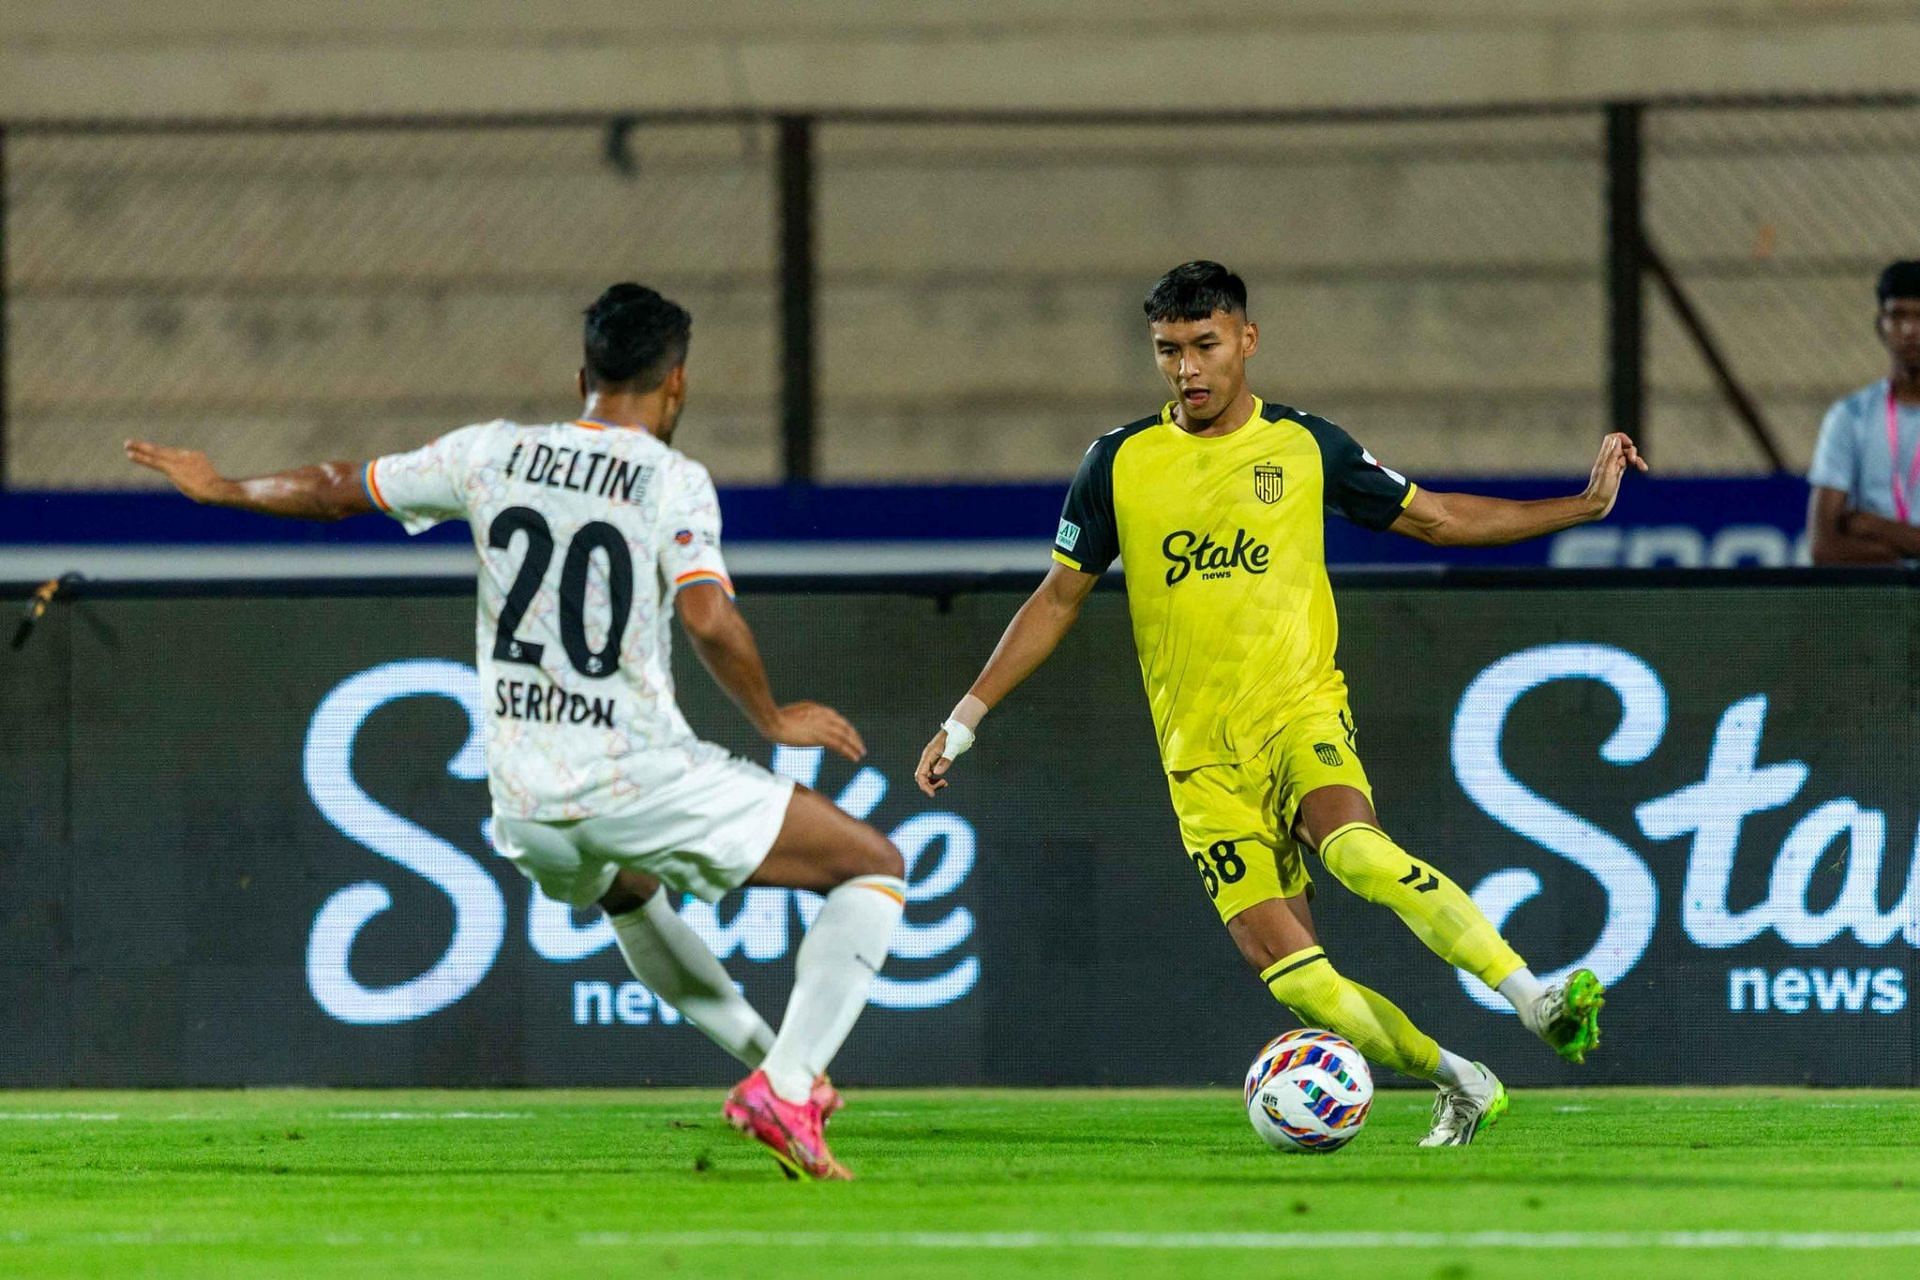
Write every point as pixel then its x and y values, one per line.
pixel 792 1132
pixel 827 1098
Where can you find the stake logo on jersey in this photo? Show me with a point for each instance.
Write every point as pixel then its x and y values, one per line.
pixel 1224 541
pixel 585 536
pixel 1188 552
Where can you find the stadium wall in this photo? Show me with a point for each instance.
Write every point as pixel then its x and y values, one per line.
pixel 1437 285
pixel 242 839
pixel 175 57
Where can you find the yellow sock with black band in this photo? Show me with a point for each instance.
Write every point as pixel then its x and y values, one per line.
pixel 1363 858
pixel 1307 983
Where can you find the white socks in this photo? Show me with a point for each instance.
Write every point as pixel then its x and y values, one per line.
pixel 1455 1072
pixel 1523 992
pixel 833 970
pixel 676 966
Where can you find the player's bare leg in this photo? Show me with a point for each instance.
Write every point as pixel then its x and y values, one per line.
pixel 863 877
pixel 672 962
pixel 1268 931
pixel 820 848
pixel 1339 822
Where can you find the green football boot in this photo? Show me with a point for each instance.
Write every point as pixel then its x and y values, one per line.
pixel 1569 1015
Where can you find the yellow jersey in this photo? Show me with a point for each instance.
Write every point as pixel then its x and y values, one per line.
pixel 1223 542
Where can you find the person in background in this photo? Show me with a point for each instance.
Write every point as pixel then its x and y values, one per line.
pixel 1865 477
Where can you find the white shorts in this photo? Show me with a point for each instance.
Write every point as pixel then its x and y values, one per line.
pixel 703 833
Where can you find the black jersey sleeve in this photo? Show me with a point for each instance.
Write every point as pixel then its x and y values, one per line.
pixel 1358 487
pixel 1088 538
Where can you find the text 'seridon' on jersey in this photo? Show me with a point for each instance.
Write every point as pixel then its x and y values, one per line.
pixel 1223 541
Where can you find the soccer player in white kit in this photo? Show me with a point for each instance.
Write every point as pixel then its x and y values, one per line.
pixel 590 533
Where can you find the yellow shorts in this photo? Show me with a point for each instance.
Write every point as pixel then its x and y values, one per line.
pixel 1236 820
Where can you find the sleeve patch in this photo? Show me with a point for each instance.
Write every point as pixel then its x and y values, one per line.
pixel 1087 538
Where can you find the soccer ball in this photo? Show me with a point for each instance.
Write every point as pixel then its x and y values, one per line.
pixel 1309 1090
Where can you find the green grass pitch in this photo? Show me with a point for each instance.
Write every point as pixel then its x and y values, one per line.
pixel 1642 1183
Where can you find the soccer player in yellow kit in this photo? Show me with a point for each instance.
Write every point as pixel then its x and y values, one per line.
pixel 1214 505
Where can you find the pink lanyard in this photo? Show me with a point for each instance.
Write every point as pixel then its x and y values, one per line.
pixel 1900 491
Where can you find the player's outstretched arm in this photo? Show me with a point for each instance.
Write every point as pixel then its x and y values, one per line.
pixel 1033 635
pixel 727 649
pixel 1470 520
pixel 329 491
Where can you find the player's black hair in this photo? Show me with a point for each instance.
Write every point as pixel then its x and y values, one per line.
pixel 1899 280
pixel 1194 291
pixel 634 337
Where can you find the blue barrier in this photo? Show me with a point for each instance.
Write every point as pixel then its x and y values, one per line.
pixel 1675 522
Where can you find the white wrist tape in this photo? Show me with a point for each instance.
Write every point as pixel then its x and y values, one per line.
pixel 959 739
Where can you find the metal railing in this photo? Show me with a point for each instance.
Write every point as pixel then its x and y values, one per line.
pixel 903 294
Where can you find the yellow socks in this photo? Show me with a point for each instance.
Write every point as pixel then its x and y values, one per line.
pixel 1438 911
pixel 1307 983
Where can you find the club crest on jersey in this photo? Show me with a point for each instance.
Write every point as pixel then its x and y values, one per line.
pixel 1267 483
pixel 684 537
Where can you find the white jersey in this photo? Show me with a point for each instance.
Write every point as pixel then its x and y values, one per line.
pixel 586 533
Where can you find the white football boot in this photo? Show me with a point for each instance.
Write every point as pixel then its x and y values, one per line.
pixel 1460 1114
